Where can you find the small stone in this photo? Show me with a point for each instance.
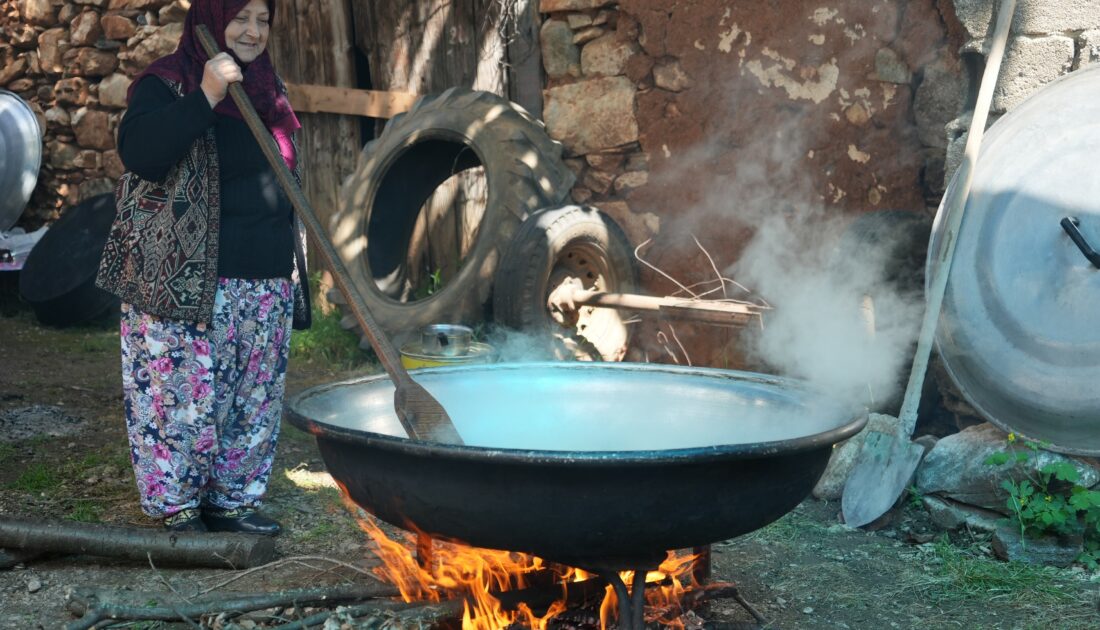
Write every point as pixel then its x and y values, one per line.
pixel 808 610
pixel 780 601
pixel 34 585
pixel 587 35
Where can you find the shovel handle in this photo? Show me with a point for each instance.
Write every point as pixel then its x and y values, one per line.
pixel 1071 226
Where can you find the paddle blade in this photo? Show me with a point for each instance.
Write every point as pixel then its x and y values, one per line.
pixel 881 474
pixel 422 415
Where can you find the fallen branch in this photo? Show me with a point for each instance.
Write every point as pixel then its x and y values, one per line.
pixel 10 558
pixel 293 559
pixel 134 543
pixel 96 606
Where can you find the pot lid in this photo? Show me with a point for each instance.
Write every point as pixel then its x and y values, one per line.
pixel 20 156
pixel 1018 332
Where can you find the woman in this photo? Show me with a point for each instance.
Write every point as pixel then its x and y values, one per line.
pixel 207 260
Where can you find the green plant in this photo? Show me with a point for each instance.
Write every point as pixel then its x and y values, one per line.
pixel 1049 500
pixel 327 340
pixel 37 478
pixel 85 512
pixel 915 498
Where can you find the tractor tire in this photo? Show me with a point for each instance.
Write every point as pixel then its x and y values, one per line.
pixel 396 173
pixel 555 243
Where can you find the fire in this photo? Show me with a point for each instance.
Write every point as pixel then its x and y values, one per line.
pixel 458 571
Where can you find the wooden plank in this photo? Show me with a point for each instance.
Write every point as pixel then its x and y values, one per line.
pixel 524 71
pixel 342 100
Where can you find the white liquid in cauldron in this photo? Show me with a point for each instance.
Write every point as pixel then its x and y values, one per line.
pixel 590 409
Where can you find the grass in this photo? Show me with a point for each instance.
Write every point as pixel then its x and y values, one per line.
pixel 85 512
pixel 326 341
pixel 36 479
pixel 963 574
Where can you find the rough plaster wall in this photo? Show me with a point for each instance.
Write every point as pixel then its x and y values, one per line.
pixel 692 118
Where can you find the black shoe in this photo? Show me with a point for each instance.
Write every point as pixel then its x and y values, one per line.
pixel 241 521
pixel 186 520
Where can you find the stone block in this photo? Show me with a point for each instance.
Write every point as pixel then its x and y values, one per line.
pixel 1028 65
pixel 174 11
pixel 938 100
pixel 158 42
pixel 606 56
pixel 117 27
pixel 38 12
pixel 58 116
pixel 586 35
pixel 92 129
pixel 670 75
pixel 1088 49
pixel 592 115
pixel 85 30
pixel 1033 17
pixel 630 180
pixel 550 6
pixel 52 45
pixel 560 56
pixel 956 469
pixel 890 67
pixel 72 91
pixel 607 162
pixel 112 164
pixel 90 62
pixel 638 226
pixel 62 155
pixel 113 89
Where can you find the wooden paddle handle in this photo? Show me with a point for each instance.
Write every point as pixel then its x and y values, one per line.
pixel 389 357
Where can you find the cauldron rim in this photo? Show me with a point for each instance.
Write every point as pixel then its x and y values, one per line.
pixel 753 450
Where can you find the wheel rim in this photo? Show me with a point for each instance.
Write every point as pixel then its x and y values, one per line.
pixel 588 262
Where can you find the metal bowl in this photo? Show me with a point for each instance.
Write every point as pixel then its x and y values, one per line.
pixel 445 340
pixel 590 464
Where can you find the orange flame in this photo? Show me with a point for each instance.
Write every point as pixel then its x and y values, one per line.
pixel 473 573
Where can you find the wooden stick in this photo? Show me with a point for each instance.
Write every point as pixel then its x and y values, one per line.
pixel 135 543
pixel 341 100
pixel 96 605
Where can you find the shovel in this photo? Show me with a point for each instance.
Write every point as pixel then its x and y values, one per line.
pixel 887 461
pixel 419 412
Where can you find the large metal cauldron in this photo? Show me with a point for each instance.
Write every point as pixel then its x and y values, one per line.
pixel 596 465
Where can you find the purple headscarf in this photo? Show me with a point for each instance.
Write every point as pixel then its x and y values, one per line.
pixel 185 66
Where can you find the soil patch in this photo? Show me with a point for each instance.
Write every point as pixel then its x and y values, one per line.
pixel 63 455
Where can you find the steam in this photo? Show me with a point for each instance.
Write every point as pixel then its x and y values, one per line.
pixel 838 322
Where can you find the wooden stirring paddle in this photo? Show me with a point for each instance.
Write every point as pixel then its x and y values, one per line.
pixel 419 412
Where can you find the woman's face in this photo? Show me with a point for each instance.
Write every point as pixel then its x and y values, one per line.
pixel 247 33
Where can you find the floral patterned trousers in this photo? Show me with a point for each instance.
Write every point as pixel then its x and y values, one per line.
pixel 204 400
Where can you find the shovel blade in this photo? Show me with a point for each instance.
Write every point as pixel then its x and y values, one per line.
pixel 881 474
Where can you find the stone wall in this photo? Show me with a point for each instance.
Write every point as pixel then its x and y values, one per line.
pixel 73 63
pixel 690 119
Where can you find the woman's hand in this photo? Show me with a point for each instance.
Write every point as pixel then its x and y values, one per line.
pixel 218 73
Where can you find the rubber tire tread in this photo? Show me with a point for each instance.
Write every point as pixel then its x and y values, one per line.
pixel 521 286
pixel 504 137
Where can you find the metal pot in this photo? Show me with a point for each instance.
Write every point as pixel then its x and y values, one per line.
pixel 20 156
pixel 590 464
pixel 445 340
pixel 1017 333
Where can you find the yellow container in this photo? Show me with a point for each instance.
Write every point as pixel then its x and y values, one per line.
pixel 413 356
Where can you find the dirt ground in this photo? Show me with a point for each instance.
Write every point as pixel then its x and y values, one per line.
pixel 63 455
